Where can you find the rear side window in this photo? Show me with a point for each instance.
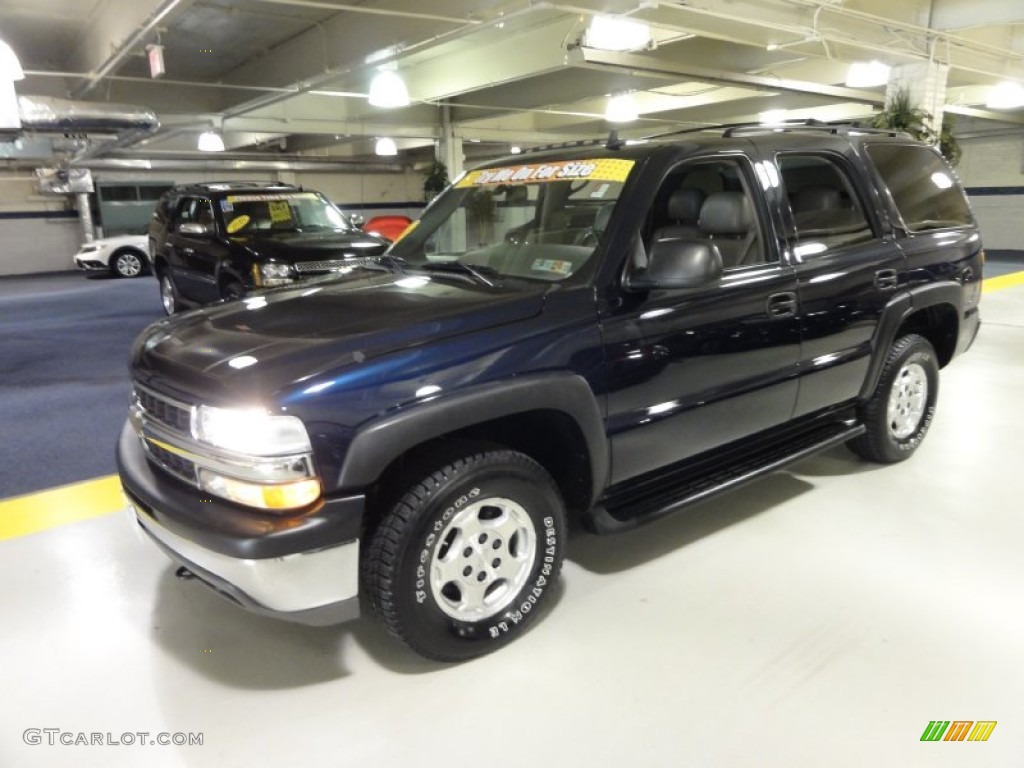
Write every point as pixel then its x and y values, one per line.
pixel 827 212
pixel 922 186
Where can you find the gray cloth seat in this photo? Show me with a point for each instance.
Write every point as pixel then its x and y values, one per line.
pixel 683 211
pixel 727 219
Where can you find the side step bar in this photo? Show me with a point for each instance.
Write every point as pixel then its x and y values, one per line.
pixel 636 502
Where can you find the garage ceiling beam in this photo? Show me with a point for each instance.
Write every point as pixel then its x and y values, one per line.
pixel 667 70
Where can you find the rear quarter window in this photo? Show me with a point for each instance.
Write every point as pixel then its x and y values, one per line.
pixel 922 185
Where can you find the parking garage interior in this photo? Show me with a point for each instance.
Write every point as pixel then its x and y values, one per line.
pixel 824 615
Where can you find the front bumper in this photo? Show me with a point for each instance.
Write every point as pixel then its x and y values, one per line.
pixel 90 264
pixel 302 568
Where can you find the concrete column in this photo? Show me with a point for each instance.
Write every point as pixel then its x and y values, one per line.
pixel 926 82
pixel 449 146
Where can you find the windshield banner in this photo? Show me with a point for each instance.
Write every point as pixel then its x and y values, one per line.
pixel 567 170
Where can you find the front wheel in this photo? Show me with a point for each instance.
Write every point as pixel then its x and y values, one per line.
pixel 169 294
pixel 898 414
pixel 463 562
pixel 128 264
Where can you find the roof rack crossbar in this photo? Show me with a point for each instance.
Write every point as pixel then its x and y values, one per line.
pixel 729 130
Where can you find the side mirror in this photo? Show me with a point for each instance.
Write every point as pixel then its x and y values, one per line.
pixel 357 220
pixel 675 263
pixel 193 229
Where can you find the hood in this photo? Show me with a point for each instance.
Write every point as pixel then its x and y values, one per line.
pixel 256 346
pixel 291 247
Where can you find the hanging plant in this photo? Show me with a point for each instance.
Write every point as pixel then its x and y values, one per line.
pixel 435 179
pixel 900 114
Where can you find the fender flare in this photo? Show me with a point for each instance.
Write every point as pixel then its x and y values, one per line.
pixel 898 310
pixel 382 441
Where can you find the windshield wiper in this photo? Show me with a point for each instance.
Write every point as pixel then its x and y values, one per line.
pixel 474 271
pixel 388 262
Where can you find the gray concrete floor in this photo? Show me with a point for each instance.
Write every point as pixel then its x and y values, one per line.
pixel 820 617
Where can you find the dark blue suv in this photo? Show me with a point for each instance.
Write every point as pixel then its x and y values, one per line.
pixel 607 333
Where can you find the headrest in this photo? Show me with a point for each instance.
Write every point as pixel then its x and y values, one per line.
pixel 726 213
pixel 603 216
pixel 817 198
pixel 684 205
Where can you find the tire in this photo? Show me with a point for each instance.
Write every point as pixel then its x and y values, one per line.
pixel 899 413
pixel 232 290
pixel 128 263
pixel 463 562
pixel 169 294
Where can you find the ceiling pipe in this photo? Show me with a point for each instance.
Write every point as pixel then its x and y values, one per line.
pixel 373 11
pixel 124 49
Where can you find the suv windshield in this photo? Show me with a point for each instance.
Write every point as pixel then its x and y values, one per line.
pixel 539 221
pixel 269 212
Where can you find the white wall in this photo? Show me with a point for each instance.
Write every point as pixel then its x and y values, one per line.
pixel 992 169
pixel 33 241
pixel 36 232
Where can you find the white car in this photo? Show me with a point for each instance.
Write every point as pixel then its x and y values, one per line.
pixel 123 255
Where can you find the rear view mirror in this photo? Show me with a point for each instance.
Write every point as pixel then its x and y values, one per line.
pixel 193 229
pixel 678 263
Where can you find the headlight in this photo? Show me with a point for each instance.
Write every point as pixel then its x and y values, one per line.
pixel 250 431
pixel 276 274
pixel 89 248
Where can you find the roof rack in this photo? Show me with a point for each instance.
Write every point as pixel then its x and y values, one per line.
pixel 728 130
pixel 230 185
pixel 566 145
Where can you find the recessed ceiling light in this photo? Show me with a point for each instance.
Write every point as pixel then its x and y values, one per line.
pixel 388 90
pixel 385 147
pixel 617 33
pixel 867 74
pixel 210 141
pixel 10 67
pixel 621 109
pixel 1006 95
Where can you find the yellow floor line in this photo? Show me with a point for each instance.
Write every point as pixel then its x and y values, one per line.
pixel 990 284
pixel 34 512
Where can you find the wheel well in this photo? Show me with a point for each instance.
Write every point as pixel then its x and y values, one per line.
pixel 939 325
pixel 549 437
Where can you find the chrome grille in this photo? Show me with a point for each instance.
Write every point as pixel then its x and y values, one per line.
pixel 331 265
pixel 177 416
pixel 176 465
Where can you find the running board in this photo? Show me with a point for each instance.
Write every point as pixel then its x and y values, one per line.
pixel 639 501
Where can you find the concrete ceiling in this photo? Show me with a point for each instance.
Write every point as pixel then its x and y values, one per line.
pixel 286 80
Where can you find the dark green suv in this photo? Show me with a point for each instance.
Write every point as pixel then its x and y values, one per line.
pixel 223 240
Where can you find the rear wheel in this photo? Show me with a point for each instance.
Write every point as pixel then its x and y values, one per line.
pixel 128 264
pixel 899 413
pixel 462 563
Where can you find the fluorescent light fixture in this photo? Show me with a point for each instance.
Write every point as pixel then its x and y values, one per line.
pixel 210 141
pixel 10 67
pixel 515 149
pixel 388 90
pixel 621 109
pixel 617 33
pixel 867 74
pixel 772 117
pixel 1007 95
pixel 385 147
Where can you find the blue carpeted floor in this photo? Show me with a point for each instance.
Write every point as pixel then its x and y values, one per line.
pixel 64 344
